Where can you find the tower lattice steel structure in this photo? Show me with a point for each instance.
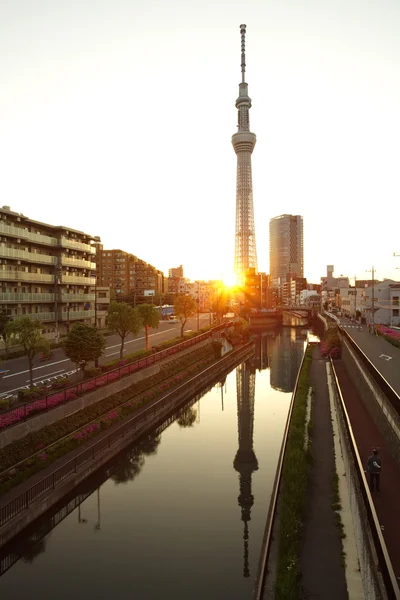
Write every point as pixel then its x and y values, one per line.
pixel 243 142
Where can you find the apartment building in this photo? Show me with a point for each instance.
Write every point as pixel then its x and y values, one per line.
pixel 128 277
pixel 46 272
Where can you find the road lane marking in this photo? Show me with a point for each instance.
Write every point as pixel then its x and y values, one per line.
pixel 67 359
pixel 46 376
pixel 385 356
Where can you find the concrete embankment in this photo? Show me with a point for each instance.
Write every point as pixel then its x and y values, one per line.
pixel 25 503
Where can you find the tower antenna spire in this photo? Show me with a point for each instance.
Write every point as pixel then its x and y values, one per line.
pixel 243 43
pixel 243 143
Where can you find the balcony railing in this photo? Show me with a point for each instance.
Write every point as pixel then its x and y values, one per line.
pixel 22 297
pixel 76 262
pixel 78 297
pixel 42 316
pixel 35 257
pixel 24 234
pixel 78 280
pixel 25 276
pixel 73 315
pixel 68 243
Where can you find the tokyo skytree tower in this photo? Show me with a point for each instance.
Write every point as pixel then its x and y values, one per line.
pixel 243 143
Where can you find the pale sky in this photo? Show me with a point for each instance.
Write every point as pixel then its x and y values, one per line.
pixel 116 119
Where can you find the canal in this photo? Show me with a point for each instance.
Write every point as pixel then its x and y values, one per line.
pixel 180 514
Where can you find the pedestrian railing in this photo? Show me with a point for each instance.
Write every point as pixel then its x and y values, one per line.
pixel 11 416
pixel 164 405
pixel 384 563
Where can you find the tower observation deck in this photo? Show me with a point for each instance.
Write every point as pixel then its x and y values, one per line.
pixel 243 143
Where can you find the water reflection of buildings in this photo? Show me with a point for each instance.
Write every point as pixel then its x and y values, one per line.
pixel 286 353
pixel 245 460
pixel 263 342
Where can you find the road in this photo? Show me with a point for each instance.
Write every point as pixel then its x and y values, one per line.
pixel 59 365
pixel 384 356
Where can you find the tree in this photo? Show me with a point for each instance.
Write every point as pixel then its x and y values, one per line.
pixel 185 307
pixel 5 335
pixel 123 319
pixel 129 467
pixel 29 335
pixel 220 303
pixel 83 344
pixel 150 318
pixel 187 417
pixel 149 444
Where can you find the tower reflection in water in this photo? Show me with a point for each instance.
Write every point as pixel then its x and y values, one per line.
pixel 245 461
pixel 281 351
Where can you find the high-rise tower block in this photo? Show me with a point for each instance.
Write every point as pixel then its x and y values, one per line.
pixel 243 142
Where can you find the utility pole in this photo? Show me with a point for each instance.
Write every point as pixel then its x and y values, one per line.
pixel 355 298
pixel 373 299
pixel 198 306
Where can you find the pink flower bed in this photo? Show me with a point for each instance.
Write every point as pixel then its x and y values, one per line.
pixel 389 332
pixel 87 431
pixel 13 416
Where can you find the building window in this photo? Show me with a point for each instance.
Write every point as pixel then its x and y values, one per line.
pixel 395 301
pixel 395 312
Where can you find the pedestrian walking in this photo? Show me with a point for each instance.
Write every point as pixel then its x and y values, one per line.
pixel 374 466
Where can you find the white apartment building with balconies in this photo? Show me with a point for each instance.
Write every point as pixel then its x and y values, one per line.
pixel 46 272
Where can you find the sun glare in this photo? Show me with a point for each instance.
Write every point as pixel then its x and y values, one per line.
pixel 230 280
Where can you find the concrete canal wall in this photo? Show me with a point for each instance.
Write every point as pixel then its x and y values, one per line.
pixel 143 422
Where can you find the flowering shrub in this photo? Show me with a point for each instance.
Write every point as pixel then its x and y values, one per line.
pixel 20 413
pixel 391 335
pixel 330 345
pixel 87 431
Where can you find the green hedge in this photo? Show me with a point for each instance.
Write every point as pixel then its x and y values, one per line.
pixel 293 493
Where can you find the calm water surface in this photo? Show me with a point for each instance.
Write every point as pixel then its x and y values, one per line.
pixel 182 514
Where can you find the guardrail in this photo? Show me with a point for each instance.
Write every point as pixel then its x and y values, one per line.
pixel 384 563
pixel 267 539
pixel 22 502
pixel 387 389
pixel 11 416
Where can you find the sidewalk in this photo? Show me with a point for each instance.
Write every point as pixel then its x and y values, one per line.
pixel 323 573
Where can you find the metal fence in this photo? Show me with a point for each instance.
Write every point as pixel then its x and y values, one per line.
pixel 384 564
pixel 11 416
pixel 386 388
pixel 164 405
